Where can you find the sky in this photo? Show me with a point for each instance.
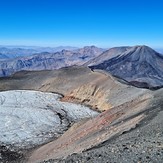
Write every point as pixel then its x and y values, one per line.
pixel 104 23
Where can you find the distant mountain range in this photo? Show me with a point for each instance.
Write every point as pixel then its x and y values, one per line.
pixel 50 61
pixel 139 65
pixel 21 51
pixel 131 119
pixel 7 53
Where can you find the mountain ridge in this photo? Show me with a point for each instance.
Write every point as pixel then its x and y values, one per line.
pixel 139 64
pixel 49 61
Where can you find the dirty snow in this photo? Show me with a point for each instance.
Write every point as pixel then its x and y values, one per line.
pixel 29 118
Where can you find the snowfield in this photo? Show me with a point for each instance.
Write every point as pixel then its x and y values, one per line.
pixel 29 118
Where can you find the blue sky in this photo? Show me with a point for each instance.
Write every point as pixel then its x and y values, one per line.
pixel 103 23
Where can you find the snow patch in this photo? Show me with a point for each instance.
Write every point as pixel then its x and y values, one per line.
pixel 29 118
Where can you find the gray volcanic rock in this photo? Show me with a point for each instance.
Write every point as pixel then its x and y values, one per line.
pixel 140 66
pixel 142 144
pixel 49 61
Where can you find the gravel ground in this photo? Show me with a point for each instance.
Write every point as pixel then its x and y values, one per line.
pixel 143 144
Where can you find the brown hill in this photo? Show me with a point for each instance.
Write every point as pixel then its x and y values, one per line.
pixel 77 84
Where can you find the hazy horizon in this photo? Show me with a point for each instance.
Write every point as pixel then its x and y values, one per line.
pixel 81 23
pixel 60 46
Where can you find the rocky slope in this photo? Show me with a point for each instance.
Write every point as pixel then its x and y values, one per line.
pixel 132 131
pixel 139 65
pixel 142 144
pixel 49 61
pixel 127 110
pixel 91 133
